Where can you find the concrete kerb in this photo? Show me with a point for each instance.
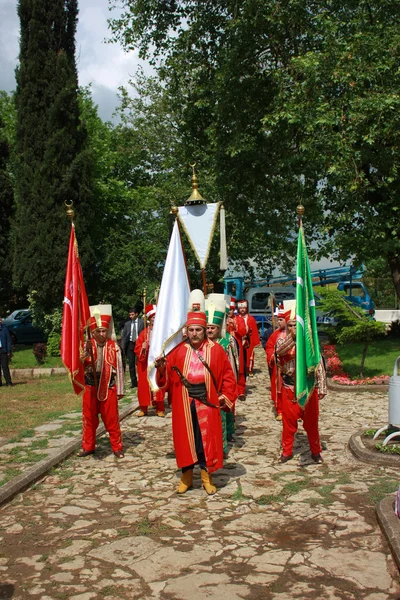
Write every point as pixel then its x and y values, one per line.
pixel 360 451
pixel 389 522
pixel 37 372
pixel 21 482
pixel 337 387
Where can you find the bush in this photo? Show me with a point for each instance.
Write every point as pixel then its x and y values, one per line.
pixel 53 344
pixel 394 329
pixel 40 352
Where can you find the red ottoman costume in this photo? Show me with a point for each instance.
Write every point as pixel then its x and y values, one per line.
pixel 102 398
pixel 145 396
pixel 186 360
pixel 276 381
pixel 252 335
pixel 291 410
pixel 236 326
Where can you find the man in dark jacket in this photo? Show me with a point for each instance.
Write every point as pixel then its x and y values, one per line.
pixel 130 333
pixel 5 353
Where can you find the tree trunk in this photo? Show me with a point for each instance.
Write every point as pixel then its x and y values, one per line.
pixel 394 264
pixel 364 354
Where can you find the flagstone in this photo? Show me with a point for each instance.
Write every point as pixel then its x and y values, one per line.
pixel 345 562
pixel 206 587
pixel 81 524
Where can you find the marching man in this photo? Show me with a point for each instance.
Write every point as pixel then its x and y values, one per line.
pixel 199 380
pixel 104 385
pixel 145 396
pixel 291 411
pixel 252 338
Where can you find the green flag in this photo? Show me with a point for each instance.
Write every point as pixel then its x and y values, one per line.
pixel 307 344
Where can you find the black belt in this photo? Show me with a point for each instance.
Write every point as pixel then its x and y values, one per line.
pixel 288 379
pixel 197 391
pixel 89 379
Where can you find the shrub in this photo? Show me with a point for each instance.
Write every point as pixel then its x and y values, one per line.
pixel 394 329
pixel 40 352
pixel 53 344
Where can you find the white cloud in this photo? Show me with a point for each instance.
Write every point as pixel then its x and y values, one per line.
pixel 106 66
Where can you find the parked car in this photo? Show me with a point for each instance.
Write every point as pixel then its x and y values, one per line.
pixel 21 328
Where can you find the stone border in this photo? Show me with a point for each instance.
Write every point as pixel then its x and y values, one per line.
pixel 337 387
pixel 364 454
pixel 21 482
pixel 390 525
pixel 37 372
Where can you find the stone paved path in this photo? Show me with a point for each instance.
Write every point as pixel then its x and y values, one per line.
pixel 98 528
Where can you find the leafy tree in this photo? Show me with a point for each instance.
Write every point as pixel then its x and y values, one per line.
pixel 6 203
pixel 52 161
pixel 352 324
pixel 131 212
pixel 284 101
pixel 341 102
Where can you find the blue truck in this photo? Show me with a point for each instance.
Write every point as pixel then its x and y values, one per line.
pixel 258 292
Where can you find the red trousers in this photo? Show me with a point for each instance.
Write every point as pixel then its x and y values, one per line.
pixel 108 410
pixel 159 404
pixel 291 412
pixel 241 384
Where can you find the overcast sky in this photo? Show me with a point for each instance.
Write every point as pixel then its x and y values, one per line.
pixel 105 66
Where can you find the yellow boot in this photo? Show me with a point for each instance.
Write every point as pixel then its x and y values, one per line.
pixel 207 482
pixel 186 482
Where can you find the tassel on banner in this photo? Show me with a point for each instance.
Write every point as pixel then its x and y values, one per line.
pixel 223 256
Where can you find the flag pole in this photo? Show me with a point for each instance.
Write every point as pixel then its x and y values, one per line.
pixel 300 213
pixel 71 213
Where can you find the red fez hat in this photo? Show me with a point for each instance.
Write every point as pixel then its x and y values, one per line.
pixel 102 321
pixel 150 310
pixel 243 304
pixel 286 316
pixel 196 318
pixel 233 303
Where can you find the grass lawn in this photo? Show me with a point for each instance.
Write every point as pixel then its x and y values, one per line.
pixel 380 359
pixel 23 358
pixel 33 402
pixel 30 403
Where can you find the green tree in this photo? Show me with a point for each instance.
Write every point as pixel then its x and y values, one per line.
pixel 52 160
pixel 284 101
pixel 341 102
pixel 131 212
pixel 352 325
pixel 6 203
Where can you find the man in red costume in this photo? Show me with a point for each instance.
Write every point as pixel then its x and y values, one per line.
pixel 145 396
pixel 291 410
pixel 104 386
pixel 236 326
pixel 276 383
pixel 252 335
pixel 199 380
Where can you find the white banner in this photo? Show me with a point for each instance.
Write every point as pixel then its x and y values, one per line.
pixel 172 305
pixel 198 222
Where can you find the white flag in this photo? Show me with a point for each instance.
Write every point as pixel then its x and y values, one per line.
pixel 172 305
pixel 198 222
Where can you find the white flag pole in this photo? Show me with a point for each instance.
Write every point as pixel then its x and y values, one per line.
pixel 172 305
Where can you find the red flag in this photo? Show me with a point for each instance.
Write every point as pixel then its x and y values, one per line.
pixel 76 314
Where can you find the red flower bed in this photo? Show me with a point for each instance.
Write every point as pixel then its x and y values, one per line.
pixel 338 374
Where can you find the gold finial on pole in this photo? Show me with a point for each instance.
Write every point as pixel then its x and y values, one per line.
pixel 195 196
pixel 144 298
pixel 70 210
pixel 300 212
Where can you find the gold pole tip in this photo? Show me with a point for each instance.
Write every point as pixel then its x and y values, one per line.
pixel 70 210
pixel 300 210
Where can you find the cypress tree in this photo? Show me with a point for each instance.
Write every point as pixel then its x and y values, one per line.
pixel 6 203
pixel 53 164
